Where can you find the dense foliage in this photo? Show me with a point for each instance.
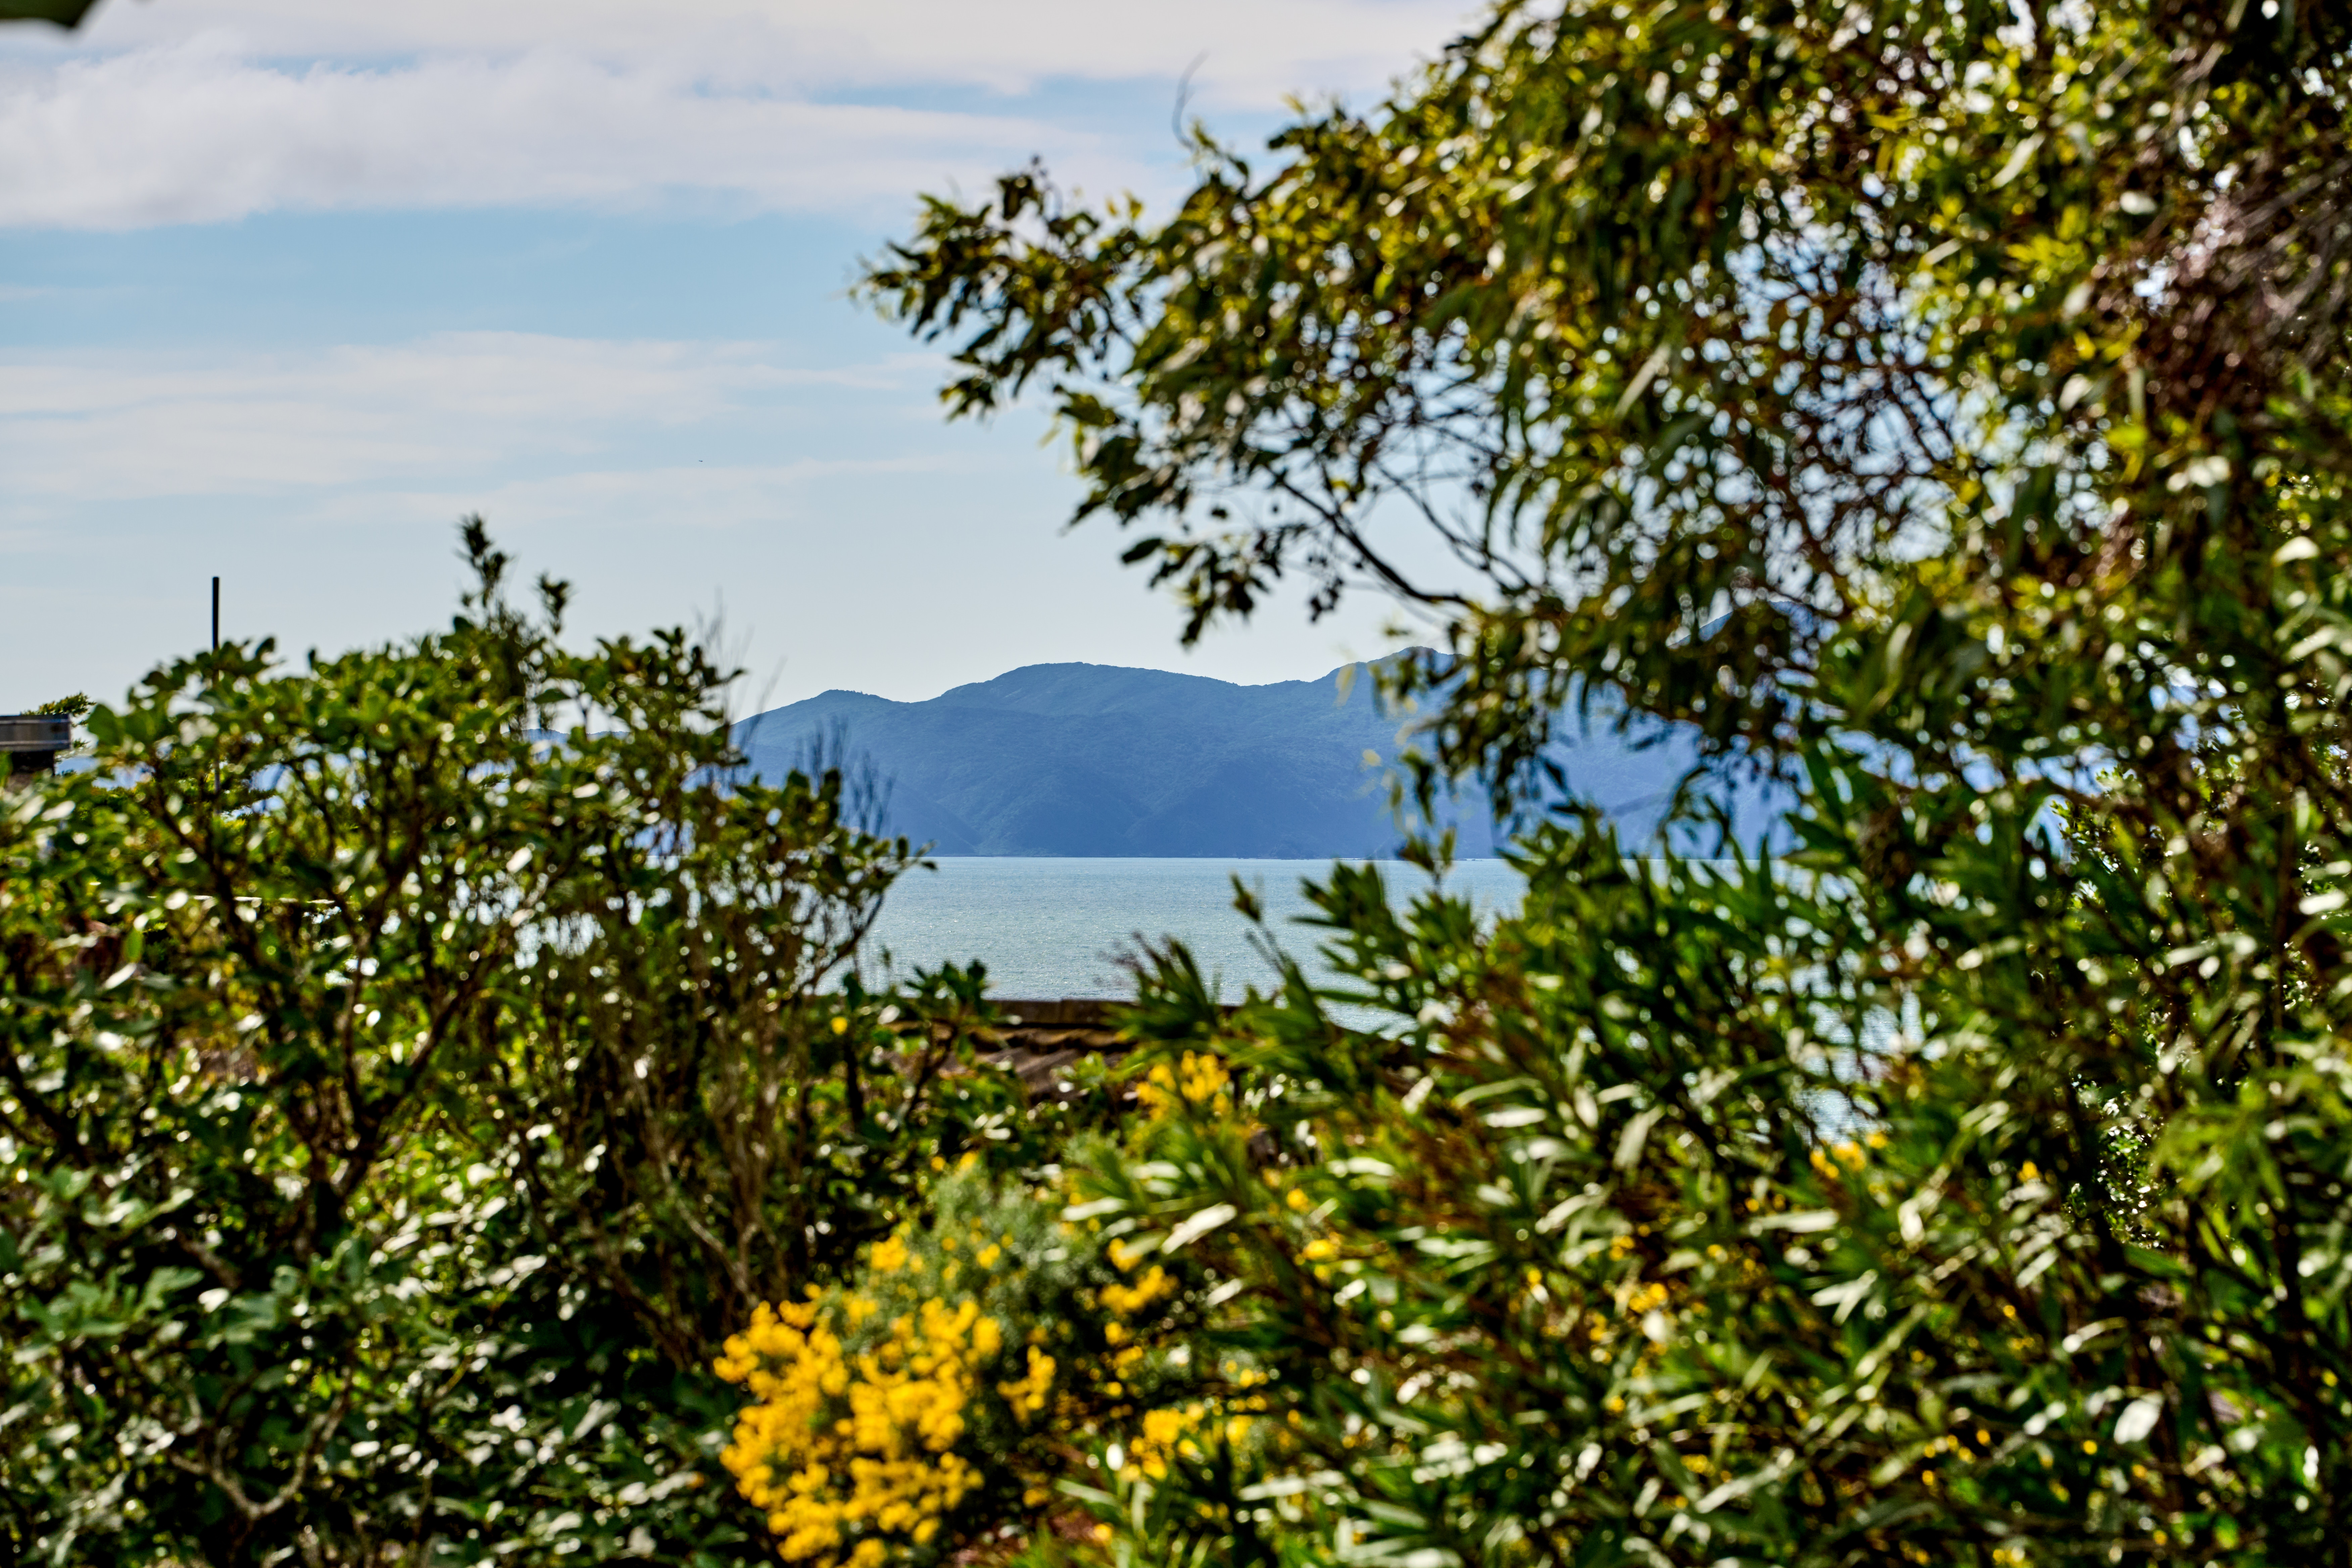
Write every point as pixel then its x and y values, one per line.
pixel 1719 343
pixel 419 1071
pixel 1945 409
pixel 64 13
pixel 416 1063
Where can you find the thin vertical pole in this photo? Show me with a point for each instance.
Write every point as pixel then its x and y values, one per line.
pixel 216 772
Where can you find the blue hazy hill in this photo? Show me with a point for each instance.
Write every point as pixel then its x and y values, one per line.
pixel 1089 759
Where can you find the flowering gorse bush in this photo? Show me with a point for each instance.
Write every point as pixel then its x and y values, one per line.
pixel 1015 1361
pixel 848 1451
pixel 890 1411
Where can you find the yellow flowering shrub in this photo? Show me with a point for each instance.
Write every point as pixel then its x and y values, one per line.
pixel 970 1365
pixel 1017 1365
pixel 850 1454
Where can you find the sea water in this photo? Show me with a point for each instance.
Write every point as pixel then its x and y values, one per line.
pixel 1059 926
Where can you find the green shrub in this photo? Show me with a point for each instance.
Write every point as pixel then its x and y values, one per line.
pixel 416 1063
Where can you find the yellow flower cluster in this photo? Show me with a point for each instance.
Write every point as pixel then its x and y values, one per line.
pixel 852 1458
pixel 1126 1300
pixel 1161 1435
pixel 1197 1079
pixel 1119 1301
pixel 1026 1396
pixel 1166 1432
pixel 1849 1156
pixel 1321 1257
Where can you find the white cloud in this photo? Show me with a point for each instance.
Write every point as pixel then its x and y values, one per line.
pixel 322 483
pixel 194 134
pixel 842 531
pixel 108 427
pixel 172 111
pixel 1252 52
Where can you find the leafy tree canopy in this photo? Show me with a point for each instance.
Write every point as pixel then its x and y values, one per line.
pixel 1900 368
pixel 1943 407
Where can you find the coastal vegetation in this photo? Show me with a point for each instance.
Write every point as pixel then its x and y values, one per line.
pixel 416 1063
pixel 1943 409
pixel 436 1124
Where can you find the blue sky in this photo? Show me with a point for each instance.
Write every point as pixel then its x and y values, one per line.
pixel 287 286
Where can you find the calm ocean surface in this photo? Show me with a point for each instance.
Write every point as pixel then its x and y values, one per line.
pixel 1056 927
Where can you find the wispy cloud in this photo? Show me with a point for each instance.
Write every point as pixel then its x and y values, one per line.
pixel 185 111
pixel 194 134
pixel 110 425
pixel 1249 52
pixel 322 480
pixel 689 503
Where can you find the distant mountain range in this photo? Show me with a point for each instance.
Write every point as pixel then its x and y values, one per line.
pixel 1089 759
